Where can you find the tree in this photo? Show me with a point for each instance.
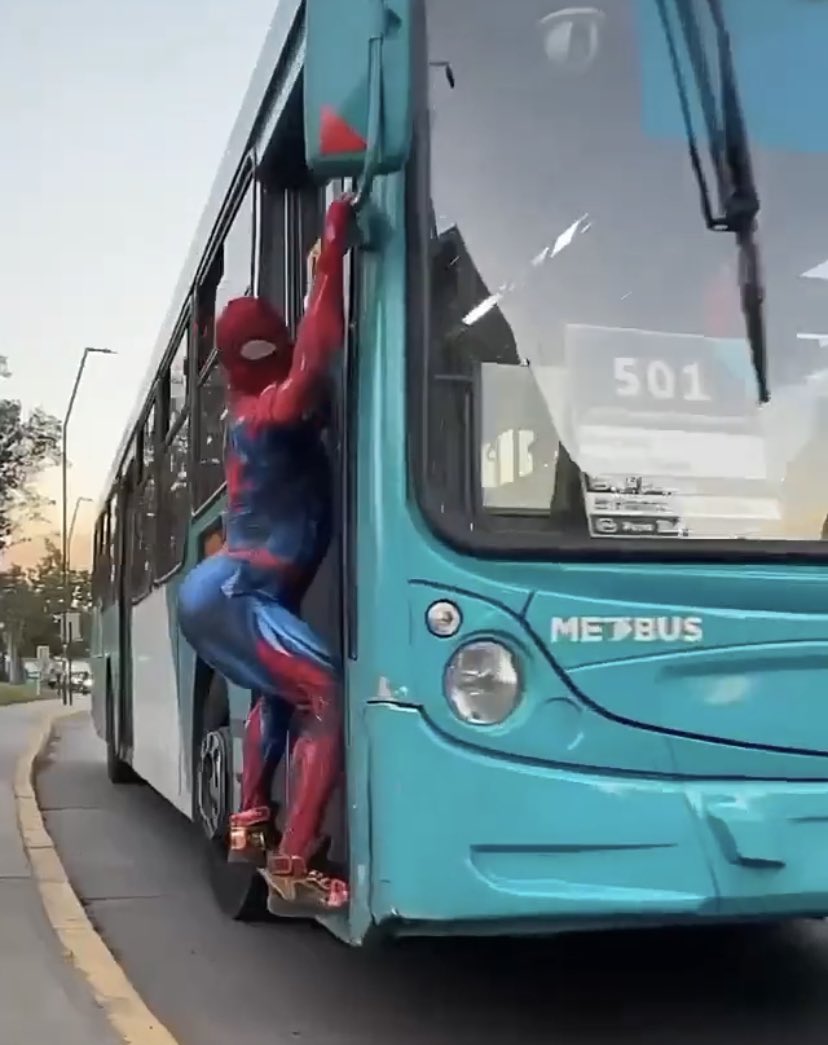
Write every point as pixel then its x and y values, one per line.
pixel 15 610
pixel 28 444
pixel 31 604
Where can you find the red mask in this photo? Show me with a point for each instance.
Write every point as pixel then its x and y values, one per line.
pixel 254 345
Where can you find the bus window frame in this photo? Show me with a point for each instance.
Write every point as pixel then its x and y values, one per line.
pixel 103 551
pixel 97 548
pixel 115 557
pixel 106 551
pixel 184 332
pixel 142 475
pixel 169 428
pixel 245 180
pixel 472 533
pixel 199 506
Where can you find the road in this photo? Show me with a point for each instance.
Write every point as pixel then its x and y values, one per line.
pixel 136 863
pixel 42 998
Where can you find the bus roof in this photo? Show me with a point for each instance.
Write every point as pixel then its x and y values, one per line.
pixel 242 139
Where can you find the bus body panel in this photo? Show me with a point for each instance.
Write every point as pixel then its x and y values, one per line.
pixel 750 670
pixel 565 815
pixel 103 645
pixel 160 745
pixel 105 660
pixel 479 843
pixel 557 721
pixel 165 740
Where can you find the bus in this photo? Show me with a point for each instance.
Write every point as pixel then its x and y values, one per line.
pixel 578 426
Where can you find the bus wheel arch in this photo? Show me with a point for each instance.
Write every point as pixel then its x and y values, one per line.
pixel 239 889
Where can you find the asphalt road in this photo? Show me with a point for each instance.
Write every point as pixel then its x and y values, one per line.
pixel 43 1000
pixel 136 863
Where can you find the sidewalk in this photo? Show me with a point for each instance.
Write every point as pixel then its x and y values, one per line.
pixel 43 1000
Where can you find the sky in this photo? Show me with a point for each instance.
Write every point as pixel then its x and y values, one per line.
pixel 114 115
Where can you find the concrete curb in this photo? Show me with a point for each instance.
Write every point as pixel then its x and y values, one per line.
pixel 82 944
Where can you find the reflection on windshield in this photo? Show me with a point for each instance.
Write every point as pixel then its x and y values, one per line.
pixel 589 370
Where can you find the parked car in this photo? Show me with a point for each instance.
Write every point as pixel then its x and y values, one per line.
pixel 82 680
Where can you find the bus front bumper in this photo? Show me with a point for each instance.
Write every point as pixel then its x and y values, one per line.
pixel 463 842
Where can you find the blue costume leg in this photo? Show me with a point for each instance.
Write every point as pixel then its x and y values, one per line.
pixel 257 642
pixel 218 625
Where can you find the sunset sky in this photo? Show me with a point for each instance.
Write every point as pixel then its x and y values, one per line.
pixel 114 118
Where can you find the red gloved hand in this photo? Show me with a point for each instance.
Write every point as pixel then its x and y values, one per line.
pixel 339 233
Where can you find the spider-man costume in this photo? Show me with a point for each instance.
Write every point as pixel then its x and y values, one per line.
pixel 238 609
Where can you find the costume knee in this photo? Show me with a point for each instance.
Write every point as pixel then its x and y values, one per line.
pixel 202 601
pixel 249 638
pixel 219 625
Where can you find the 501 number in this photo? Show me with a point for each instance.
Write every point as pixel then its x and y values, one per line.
pixel 658 379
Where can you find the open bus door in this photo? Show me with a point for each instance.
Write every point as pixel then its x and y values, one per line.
pixel 121 691
pixel 324 605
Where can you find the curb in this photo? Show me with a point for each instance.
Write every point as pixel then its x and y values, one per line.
pixel 82 945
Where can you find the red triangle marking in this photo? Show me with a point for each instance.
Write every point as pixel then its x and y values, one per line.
pixel 336 136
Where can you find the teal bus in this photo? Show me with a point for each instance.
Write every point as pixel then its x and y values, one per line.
pixel 579 576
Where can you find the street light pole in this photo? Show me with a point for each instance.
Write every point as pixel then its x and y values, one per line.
pixel 67 688
pixel 78 503
pixel 68 650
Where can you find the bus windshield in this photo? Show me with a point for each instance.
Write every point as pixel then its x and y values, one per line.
pixel 591 342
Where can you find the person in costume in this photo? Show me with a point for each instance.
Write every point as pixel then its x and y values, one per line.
pixel 239 608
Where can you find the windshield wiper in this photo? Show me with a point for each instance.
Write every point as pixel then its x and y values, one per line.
pixel 730 155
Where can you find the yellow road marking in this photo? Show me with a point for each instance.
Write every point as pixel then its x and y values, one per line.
pixel 82 945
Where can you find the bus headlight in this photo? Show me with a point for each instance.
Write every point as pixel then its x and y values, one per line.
pixel 482 683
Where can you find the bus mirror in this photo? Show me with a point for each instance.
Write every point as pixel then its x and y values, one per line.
pixel 357 87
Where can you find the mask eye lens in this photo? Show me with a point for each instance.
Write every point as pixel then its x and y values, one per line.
pixel 257 350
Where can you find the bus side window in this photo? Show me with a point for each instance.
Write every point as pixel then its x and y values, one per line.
pixel 230 276
pixel 145 511
pixel 303 228
pixel 174 383
pixel 100 569
pixel 206 312
pixel 106 555
pixel 135 579
pixel 114 546
pixel 273 256
pixel 211 415
pixel 173 464
pixel 96 559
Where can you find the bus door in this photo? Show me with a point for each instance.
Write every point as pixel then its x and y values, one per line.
pixel 122 683
pixel 323 606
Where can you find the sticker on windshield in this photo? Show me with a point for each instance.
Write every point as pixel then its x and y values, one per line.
pixel 667 435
